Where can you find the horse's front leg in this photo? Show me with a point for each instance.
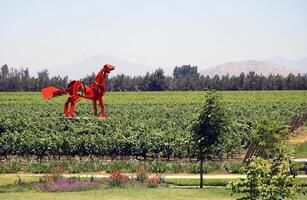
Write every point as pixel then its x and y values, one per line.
pixel 101 103
pixel 72 106
pixel 94 103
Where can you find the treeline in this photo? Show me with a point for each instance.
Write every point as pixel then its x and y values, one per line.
pixel 12 79
pixel 185 77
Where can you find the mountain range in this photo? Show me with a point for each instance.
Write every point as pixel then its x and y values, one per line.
pixel 276 65
pixel 259 67
pixel 95 63
pixel 299 64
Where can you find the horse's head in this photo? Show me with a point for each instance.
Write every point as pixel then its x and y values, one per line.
pixel 107 68
pixel 103 73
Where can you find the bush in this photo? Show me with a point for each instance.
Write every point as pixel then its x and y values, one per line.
pixel 140 174
pixel 234 168
pixel 66 185
pixel 158 167
pixel 209 167
pixel 178 168
pixel 125 166
pixel 154 180
pixel 117 179
pixel 37 168
pixel 10 167
pixel 266 179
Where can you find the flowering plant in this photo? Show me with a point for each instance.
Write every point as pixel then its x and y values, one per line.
pixel 66 185
pixel 141 176
pixel 154 180
pixel 117 178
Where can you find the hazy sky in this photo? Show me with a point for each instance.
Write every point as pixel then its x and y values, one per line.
pixel 41 33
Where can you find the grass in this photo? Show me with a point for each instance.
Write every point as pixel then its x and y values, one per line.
pixel 300 150
pixel 299 143
pixel 195 182
pixel 129 194
pixel 125 193
pixel 11 179
pixel 218 182
pixel 126 166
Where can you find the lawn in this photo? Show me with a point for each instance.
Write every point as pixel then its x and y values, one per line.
pixel 127 194
pixel 299 143
pixel 130 192
pixel 124 193
pixel 195 182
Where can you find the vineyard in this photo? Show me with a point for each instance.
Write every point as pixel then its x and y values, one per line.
pixel 145 125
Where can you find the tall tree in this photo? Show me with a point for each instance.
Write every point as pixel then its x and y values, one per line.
pixel 157 81
pixel 208 128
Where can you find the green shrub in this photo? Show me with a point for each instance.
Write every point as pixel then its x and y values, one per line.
pixel 178 168
pixel 209 167
pixel 115 166
pixel 141 174
pixel 37 168
pixel 158 167
pixel 234 168
pixel 13 166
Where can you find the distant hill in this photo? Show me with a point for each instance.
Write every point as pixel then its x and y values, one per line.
pixel 260 67
pixel 299 64
pixel 93 64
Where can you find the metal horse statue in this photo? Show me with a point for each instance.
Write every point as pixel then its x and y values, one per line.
pixel 77 90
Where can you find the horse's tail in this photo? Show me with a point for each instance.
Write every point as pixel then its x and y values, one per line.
pixel 50 92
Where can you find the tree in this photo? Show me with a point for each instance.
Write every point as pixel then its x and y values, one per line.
pixel 267 137
pixel 207 129
pixel 266 179
pixel 268 174
pixel 157 81
pixel 43 78
pixel 185 70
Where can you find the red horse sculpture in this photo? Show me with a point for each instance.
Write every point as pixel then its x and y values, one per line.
pixel 78 90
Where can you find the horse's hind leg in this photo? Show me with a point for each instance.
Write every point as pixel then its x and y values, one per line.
pixel 101 103
pixel 94 103
pixel 66 107
pixel 72 109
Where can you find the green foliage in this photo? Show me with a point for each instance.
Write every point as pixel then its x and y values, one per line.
pixel 210 124
pixel 10 167
pixel 268 136
pixel 300 150
pixel 195 182
pixel 265 180
pixel 146 125
pixel 270 178
pixel 127 166
pixel 234 168
pixel 206 131
pixel 185 77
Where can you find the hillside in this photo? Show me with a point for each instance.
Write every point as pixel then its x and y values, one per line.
pixel 299 64
pixel 93 64
pixel 260 67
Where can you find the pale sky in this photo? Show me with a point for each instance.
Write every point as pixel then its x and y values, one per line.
pixel 47 34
